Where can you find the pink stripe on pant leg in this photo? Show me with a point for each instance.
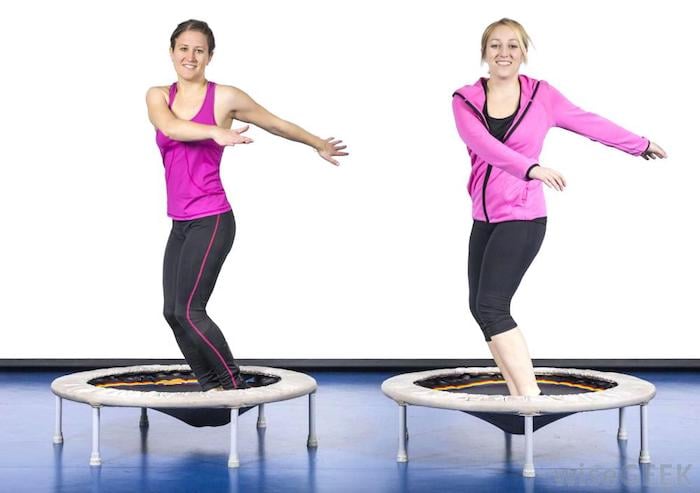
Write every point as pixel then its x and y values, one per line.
pixel 189 303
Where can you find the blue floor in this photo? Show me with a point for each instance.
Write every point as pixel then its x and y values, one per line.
pixel 357 430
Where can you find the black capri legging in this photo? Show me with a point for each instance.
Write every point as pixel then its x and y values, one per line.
pixel 499 256
pixel 194 255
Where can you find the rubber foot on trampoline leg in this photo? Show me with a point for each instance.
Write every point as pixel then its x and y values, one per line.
pixel 262 423
pixel 402 458
pixel 312 443
pixel 622 436
pixel 529 472
pixel 58 439
pixel 233 463
pixel 95 461
pixel 644 458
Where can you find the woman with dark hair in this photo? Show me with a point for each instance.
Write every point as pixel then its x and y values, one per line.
pixel 503 121
pixel 193 119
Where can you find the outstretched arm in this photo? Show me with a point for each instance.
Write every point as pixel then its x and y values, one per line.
pixel 245 109
pixel 570 117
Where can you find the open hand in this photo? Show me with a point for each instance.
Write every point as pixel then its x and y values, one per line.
pixel 231 136
pixel 654 151
pixel 550 177
pixel 332 148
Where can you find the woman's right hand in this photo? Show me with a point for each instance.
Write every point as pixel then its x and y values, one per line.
pixel 654 151
pixel 231 136
pixel 550 177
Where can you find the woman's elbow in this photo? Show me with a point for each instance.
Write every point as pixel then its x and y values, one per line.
pixel 169 129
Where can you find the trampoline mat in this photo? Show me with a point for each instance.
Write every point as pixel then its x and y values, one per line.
pixel 170 381
pixel 494 384
pixel 181 381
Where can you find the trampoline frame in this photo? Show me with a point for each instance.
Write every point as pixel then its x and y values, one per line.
pixel 75 387
pixel 629 391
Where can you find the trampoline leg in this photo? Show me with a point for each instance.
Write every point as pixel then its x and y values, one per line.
pixel 262 423
pixel 58 431
pixel 621 431
pixel 644 457
pixel 529 469
pixel 312 441
pixel 95 459
pixel 143 422
pixel 233 454
pixel 402 455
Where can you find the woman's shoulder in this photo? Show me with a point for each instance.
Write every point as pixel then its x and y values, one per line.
pixel 227 90
pixel 155 91
pixel 230 96
pixel 468 89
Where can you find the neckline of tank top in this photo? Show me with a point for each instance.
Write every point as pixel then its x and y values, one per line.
pixel 173 92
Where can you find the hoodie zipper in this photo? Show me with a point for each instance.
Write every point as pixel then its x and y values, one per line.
pixel 510 131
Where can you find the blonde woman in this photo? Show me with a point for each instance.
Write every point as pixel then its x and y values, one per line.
pixel 503 121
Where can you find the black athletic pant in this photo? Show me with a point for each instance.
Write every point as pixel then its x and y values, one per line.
pixel 499 255
pixel 195 252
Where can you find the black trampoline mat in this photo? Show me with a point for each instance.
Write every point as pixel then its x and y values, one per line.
pixel 169 381
pixel 494 384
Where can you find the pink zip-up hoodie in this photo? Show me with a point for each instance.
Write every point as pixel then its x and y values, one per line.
pixel 498 185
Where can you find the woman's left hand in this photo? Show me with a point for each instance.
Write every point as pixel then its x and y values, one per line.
pixel 331 147
pixel 654 151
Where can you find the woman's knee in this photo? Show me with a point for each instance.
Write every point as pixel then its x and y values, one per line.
pixel 187 316
pixel 169 315
pixel 474 309
pixel 494 315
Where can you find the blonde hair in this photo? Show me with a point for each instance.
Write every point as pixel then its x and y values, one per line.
pixel 520 32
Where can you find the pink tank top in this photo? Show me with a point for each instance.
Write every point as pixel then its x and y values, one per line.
pixel 192 168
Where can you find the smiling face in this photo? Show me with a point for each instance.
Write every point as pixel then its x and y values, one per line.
pixel 504 52
pixel 190 55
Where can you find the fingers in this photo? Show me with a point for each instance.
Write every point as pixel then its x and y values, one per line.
pixel 654 151
pixel 241 140
pixel 333 148
pixel 554 180
pixel 330 160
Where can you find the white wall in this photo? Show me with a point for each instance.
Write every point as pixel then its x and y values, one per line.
pixel 367 260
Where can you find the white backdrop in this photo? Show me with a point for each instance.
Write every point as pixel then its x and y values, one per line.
pixel 367 260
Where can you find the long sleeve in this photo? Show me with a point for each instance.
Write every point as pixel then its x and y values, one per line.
pixel 570 117
pixel 486 146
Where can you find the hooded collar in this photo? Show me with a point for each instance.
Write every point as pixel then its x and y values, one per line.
pixel 475 93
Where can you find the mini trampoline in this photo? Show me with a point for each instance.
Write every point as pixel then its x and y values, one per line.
pixel 174 390
pixel 482 392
